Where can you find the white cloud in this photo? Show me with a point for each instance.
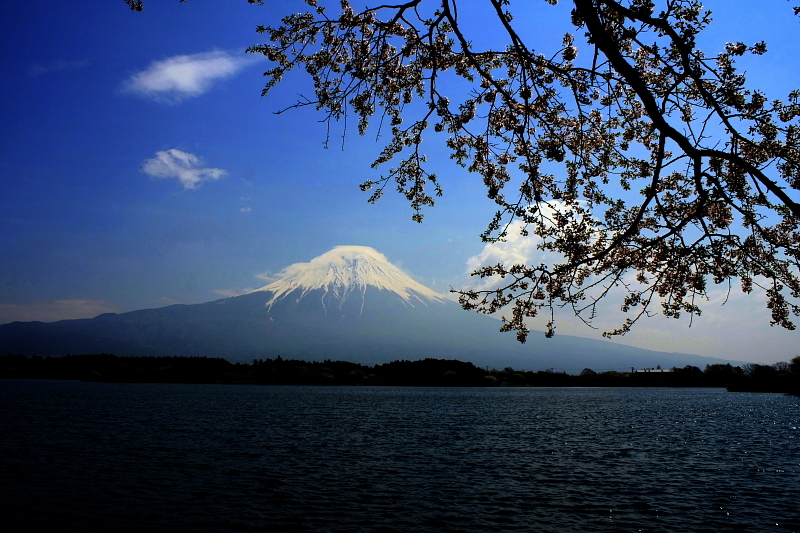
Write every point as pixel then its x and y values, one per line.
pixel 516 249
pixel 183 76
pixel 50 311
pixel 185 167
pixel 245 209
pixel 269 277
pixel 233 292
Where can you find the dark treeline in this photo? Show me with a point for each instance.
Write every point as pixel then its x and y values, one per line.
pixel 780 377
pixel 110 368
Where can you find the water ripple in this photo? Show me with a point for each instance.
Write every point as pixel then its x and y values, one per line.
pixel 93 456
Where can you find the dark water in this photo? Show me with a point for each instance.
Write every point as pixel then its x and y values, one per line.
pixel 105 457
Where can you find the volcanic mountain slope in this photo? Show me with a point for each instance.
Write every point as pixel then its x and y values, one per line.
pixel 345 272
pixel 350 303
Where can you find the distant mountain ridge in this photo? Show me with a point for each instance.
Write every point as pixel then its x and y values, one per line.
pixel 349 304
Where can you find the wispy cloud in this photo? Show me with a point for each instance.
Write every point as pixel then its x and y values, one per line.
pixel 183 166
pixel 269 277
pixel 38 69
pixel 50 311
pixel 183 76
pixel 233 292
pixel 245 209
pixel 164 301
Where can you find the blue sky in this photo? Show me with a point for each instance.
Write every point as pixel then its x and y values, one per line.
pixel 139 167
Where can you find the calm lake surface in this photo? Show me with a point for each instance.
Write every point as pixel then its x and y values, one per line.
pixel 134 457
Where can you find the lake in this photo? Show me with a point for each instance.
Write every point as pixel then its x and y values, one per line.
pixel 134 457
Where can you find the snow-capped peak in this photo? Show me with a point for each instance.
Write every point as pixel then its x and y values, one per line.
pixel 348 269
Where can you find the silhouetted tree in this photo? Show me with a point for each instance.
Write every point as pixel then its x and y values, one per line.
pixel 722 375
pixel 688 376
pixel 631 101
pixel 709 169
pixel 781 367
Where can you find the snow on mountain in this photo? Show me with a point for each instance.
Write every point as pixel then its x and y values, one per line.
pixel 306 317
pixel 346 270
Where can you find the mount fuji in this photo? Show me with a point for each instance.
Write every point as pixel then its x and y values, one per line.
pixel 349 304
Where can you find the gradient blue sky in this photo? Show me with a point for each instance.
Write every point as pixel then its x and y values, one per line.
pixel 139 167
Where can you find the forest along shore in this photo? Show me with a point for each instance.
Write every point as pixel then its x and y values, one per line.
pixel 780 377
